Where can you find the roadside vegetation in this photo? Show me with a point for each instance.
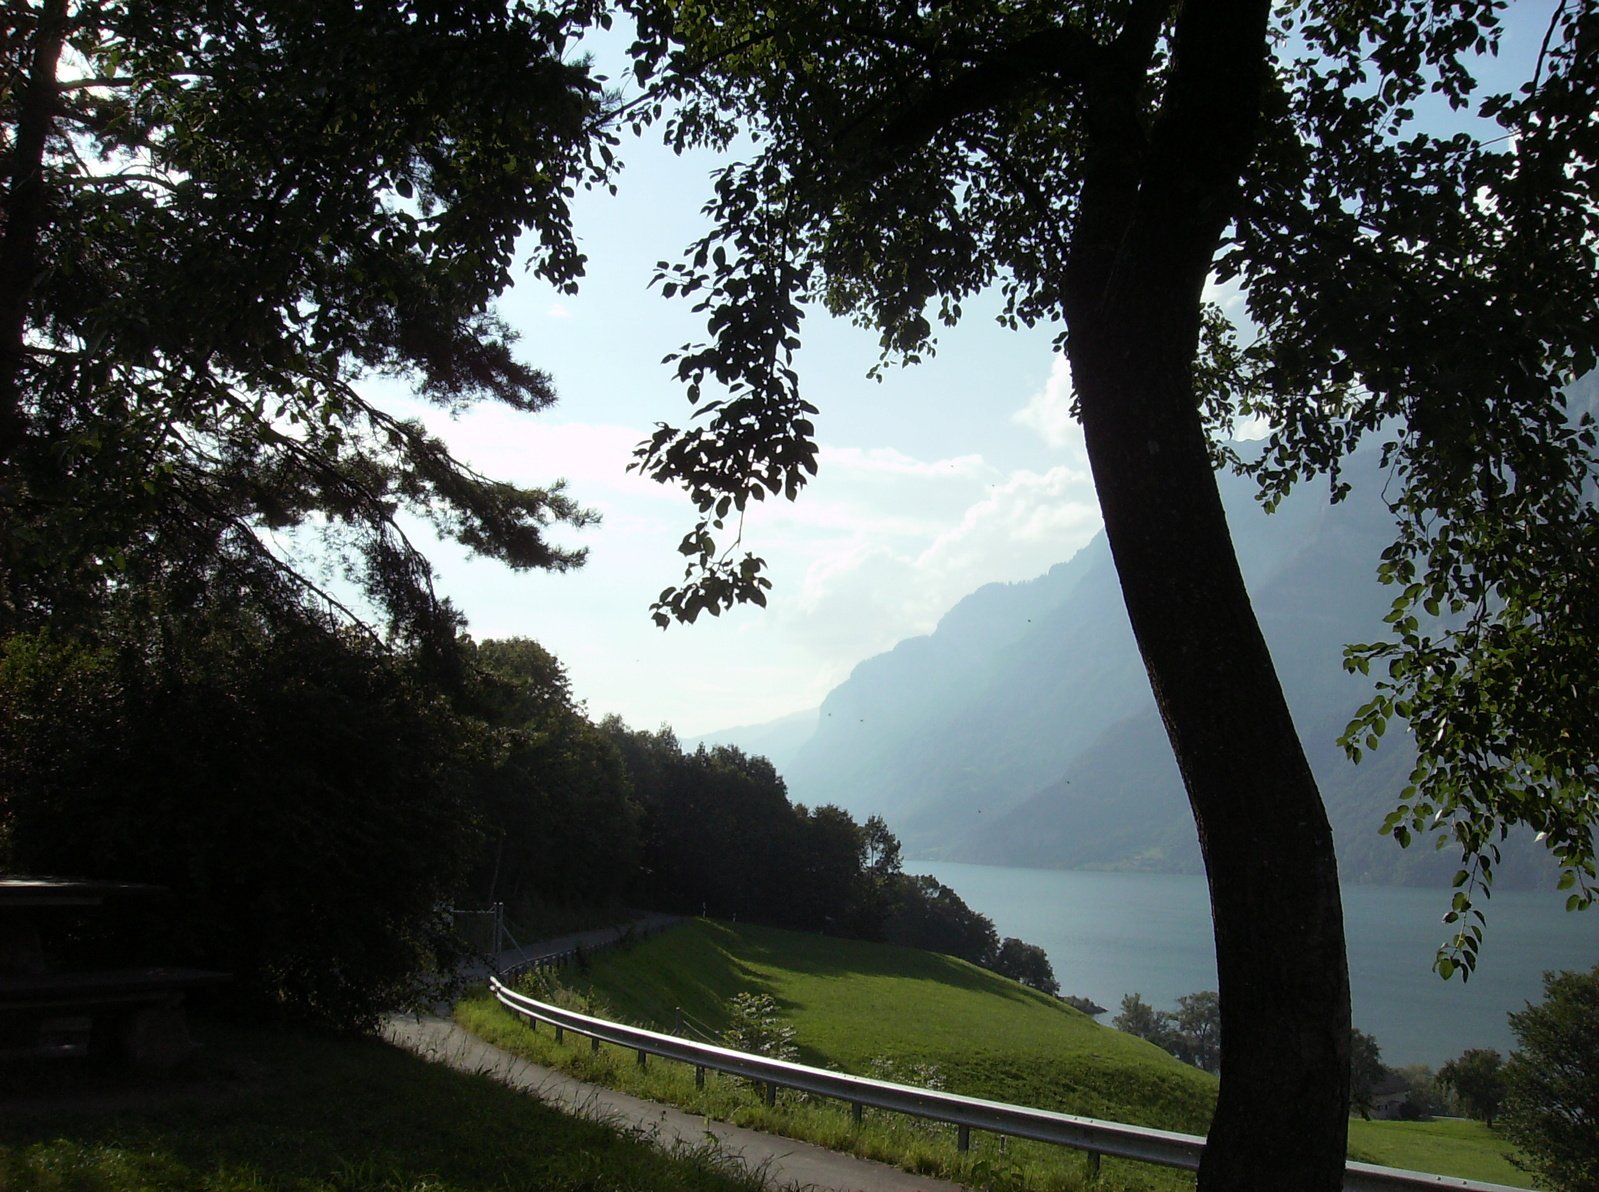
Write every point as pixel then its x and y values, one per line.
pixel 314 1111
pixel 907 1015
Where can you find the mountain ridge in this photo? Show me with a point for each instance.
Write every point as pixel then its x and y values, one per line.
pixel 1022 731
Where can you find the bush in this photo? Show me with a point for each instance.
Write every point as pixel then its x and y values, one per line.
pixel 755 1025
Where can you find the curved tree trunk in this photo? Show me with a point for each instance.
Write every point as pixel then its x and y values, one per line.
pixel 1281 1121
pixel 1153 209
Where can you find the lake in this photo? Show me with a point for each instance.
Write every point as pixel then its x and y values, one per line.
pixel 1109 934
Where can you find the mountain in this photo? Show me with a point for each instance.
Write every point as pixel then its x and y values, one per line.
pixel 777 740
pixel 1022 731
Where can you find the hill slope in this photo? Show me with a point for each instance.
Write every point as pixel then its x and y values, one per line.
pixel 851 1002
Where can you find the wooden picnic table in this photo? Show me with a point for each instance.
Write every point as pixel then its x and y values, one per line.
pixel 131 1013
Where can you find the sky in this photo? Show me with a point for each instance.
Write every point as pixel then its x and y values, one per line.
pixel 960 471
pixel 963 470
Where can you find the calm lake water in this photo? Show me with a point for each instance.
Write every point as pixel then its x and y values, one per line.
pixel 1108 934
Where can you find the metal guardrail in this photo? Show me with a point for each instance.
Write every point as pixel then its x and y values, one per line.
pixel 1162 1147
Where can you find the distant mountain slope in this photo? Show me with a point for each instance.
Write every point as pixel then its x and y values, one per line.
pixel 777 740
pixel 1022 730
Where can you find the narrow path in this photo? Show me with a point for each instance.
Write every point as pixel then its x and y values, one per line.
pixel 784 1162
pixel 599 937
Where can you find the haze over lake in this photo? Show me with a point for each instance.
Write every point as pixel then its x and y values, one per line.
pixel 1108 934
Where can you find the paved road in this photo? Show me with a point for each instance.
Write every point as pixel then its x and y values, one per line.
pixel 786 1163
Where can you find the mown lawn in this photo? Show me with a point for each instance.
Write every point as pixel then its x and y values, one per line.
pixel 876 1010
pixel 1443 1146
pixel 267 1110
pixel 853 1004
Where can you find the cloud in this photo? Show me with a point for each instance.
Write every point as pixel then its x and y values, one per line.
pixel 557 310
pixel 878 548
pixel 858 595
pixel 1021 528
pixel 892 462
pixel 1049 411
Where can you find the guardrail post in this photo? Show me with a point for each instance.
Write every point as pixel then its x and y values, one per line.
pixel 641 1057
pixel 1093 1165
pixel 699 1076
pixel 594 1044
pixel 559 1033
pixel 855 1111
pixel 771 1093
pixel 963 1139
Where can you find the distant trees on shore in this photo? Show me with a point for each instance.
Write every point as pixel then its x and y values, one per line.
pixel 720 837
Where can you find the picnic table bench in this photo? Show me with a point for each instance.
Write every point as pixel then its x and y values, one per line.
pixel 133 1014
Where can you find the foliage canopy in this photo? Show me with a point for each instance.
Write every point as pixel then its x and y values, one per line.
pixel 223 221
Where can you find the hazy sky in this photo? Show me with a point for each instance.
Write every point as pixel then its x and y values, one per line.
pixel 950 474
pixel 945 476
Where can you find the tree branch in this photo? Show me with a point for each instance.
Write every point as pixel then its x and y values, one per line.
pixel 1063 53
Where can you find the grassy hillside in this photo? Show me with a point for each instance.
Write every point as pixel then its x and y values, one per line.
pixel 851 1002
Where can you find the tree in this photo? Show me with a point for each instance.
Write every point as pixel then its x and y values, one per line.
pixel 1189 1034
pixel 551 788
pixel 1551 1107
pixel 1198 1022
pixel 1476 1078
pixel 1139 1018
pixel 1425 1097
pixel 1101 164
pixel 1366 1070
pixel 299 789
pixel 929 915
pixel 220 220
pixel 1027 963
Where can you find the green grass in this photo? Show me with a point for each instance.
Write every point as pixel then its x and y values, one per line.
pixel 275 1110
pixel 1443 1146
pixel 852 1003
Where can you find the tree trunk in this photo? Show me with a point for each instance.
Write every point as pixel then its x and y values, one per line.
pixel 24 209
pixel 1282 1118
pixel 1153 208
